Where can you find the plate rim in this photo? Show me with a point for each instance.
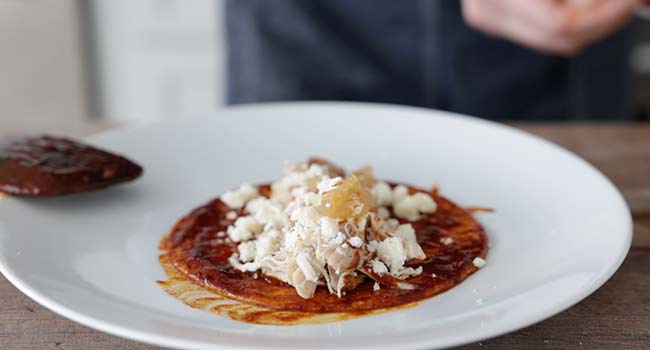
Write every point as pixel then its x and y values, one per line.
pixel 157 339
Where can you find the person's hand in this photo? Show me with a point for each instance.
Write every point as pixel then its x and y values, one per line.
pixel 563 27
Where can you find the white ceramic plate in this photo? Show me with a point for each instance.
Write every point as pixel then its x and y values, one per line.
pixel 559 231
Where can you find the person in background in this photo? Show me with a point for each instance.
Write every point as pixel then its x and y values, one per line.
pixel 498 59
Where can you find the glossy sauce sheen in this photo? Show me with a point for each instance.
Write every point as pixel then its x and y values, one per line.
pixel 52 166
pixel 199 250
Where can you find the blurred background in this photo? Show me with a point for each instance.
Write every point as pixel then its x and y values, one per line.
pixel 116 60
pixel 142 60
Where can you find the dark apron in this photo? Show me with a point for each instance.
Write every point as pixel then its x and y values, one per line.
pixel 417 53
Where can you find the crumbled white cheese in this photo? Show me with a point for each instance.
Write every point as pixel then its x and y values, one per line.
pixel 356 242
pixel 391 251
pixel 399 192
pixel 404 205
pixel 245 228
pixel 425 203
pixel 376 287
pixel 246 251
pixel 237 198
pixel 392 254
pixel 433 275
pixel 297 175
pixel 409 242
pixel 411 206
pixel 383 212
pixel 329 228
pixel 382 194
pixel 306 216
pixel 378 267
pixel 248 266
pixel 266 212
pixel 266 244
pixel 257 204
pixel 447 240
pixel 479 262
pixel 391 224
pixel 231 215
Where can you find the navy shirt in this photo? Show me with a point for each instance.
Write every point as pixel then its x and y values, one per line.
pixel 417 53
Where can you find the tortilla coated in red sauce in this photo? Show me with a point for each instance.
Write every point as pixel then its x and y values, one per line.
pixel 199 249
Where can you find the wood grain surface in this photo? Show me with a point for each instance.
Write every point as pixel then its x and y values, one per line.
pixel 617 316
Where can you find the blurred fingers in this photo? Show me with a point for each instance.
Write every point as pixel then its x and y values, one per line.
pixel 561 27
pixel 510 19
pixel 594 21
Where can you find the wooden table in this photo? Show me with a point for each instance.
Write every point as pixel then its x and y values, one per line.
pixel 617 316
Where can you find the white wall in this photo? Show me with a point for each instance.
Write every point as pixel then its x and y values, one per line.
pixel 41 72
pixel 159 58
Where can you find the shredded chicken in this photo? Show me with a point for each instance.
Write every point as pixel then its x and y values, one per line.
pixel 320 228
